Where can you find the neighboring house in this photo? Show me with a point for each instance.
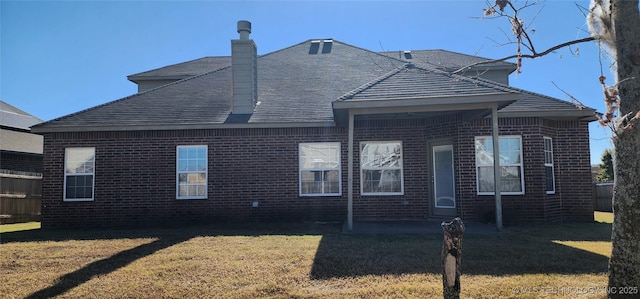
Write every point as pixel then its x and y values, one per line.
pixel 20 166
pixel 320 130
pixel 20 150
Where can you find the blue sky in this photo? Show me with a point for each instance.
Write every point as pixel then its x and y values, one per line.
pixel 57 58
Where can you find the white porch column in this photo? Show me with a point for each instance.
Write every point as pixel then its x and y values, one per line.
pixel 350 174
pixel 497 171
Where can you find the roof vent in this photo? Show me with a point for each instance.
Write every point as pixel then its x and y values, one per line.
pixel 244 29
pixel 327 44
pixel 407 55
pixel 315 47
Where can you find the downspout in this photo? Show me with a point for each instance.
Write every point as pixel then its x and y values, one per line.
pixel 497 171
pixel 350 174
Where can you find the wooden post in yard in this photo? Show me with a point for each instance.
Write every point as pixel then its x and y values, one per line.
pixel 451 250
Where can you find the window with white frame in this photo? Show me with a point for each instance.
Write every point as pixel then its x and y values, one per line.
pixel 79 173
pixel 512 179
pixel 319 169
pixel 191 172
pixel 381 170
pixel 548 166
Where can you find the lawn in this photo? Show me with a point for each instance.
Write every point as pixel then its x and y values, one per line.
pixel 299 260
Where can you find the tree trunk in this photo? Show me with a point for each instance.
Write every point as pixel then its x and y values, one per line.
pixel 451 251
pixel 624 265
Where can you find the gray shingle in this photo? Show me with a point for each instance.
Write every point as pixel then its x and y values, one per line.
pixel 446 60
pixel 196 100
pixel 415 82
pixel 295 85
pixel 185 69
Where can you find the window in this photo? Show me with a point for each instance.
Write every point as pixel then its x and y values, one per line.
pixel 320 173
pixel 191 174
pixel 548 166
pixel 512 179
pixel 79 173
pixel 381 168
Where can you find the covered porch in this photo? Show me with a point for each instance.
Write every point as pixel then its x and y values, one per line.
pixel 442 94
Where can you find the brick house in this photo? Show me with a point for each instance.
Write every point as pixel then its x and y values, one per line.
pixel 321 130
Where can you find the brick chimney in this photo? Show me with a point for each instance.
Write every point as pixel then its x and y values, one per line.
pixel 245 71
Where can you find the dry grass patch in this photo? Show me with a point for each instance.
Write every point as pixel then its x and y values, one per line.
pixel 14 227
pixel 603 217
pixel 307 261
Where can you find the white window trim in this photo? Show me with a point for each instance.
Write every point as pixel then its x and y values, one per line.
pixel 206 172
pixel 401 167
pixel 553 170
pixel 93 174
pixel 521 164
pixel 301 169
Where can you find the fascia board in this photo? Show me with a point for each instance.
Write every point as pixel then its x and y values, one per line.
pixel 409 104
pixel 585 114
pixel 202 126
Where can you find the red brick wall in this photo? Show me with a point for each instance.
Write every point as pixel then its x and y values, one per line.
pixel 135 181
pixel 572 200
pixel 572 169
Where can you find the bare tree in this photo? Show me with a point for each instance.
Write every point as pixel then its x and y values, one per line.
pixel 615 26
pixel 624 264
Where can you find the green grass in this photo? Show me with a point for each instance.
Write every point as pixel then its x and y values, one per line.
pixel 302 260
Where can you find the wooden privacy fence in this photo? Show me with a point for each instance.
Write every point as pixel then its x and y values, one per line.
pixel 602 196
pixel 20 196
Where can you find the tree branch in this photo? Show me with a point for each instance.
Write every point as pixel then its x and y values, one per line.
pixel 531 56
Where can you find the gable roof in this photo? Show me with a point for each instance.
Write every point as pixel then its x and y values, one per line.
pixel 296 87
pixel 437 58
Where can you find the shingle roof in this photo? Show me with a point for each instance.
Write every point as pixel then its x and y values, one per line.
pixel 185 69
pixel 446 60
pixel 410 81
pixel 439 59
pixel 531 102
pixel 295 86
pixel 197 100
